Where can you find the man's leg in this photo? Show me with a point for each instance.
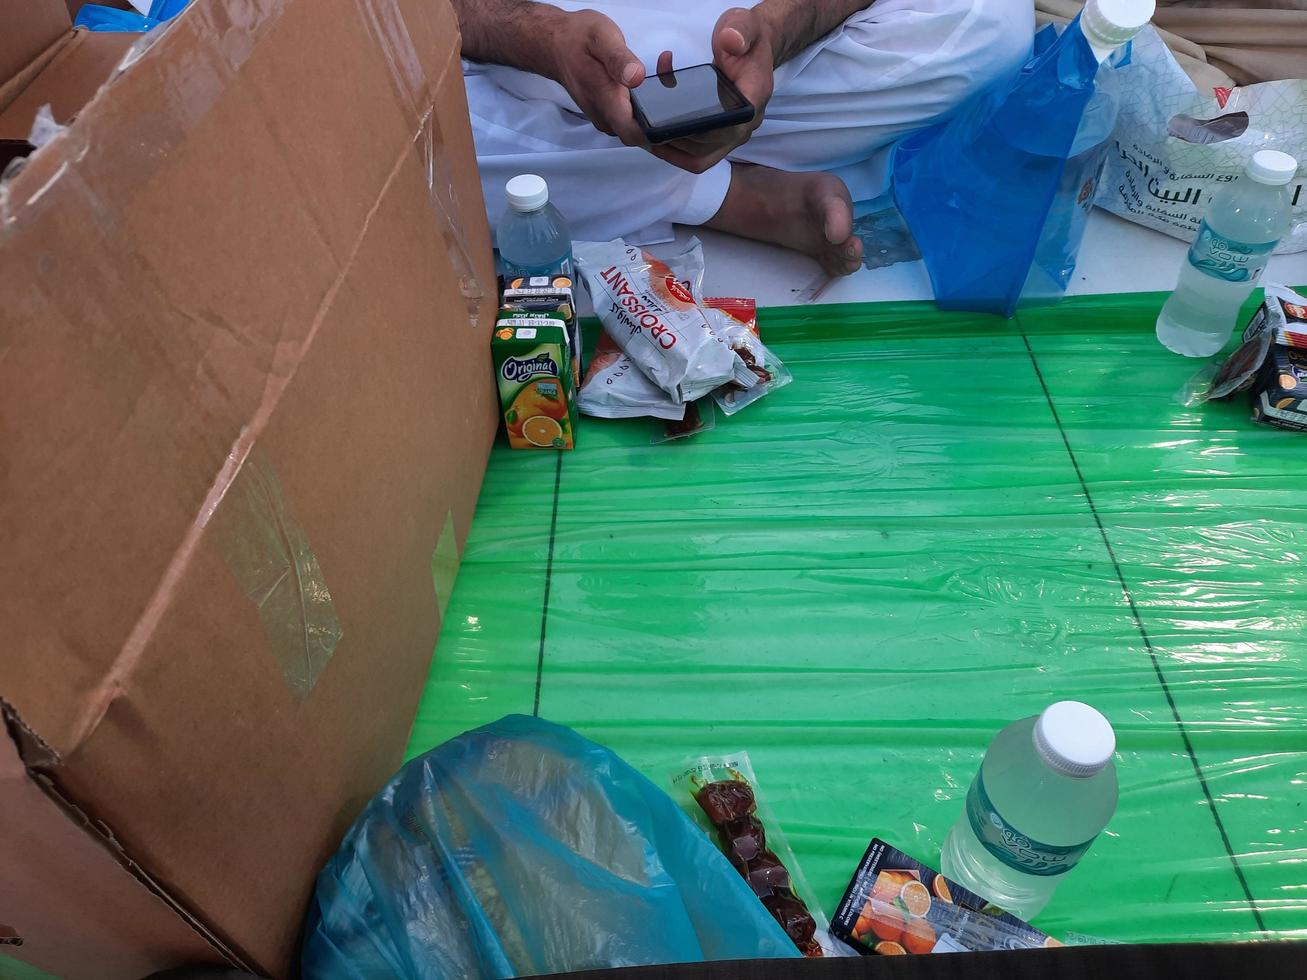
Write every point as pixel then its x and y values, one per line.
pixel 893 68
pixel 607 190
pixel 604 189
pixel 889 70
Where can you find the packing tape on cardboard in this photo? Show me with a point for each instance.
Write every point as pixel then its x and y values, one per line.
pixel 444 204
pixel 444 563
pixel 388 28
pixel 385 23
pixel 270 556
pixel 189 89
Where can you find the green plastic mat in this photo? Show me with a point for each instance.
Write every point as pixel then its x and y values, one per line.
pixel 945 523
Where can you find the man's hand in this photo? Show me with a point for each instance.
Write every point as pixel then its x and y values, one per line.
pixel 743 50
pixel 748 46
pixel 589 58
pixel 586 53
pixel 582 51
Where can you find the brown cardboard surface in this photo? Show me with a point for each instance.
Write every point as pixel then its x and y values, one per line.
pixel 233 341
pixel 30 26
pixel 66 83
pixel 80 879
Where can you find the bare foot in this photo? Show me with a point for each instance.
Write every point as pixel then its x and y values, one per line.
pixel 808 212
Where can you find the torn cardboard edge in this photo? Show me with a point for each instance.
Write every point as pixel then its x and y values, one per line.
pixel 67 75
pixel 39 761
pixel 17 83
pixel 28 33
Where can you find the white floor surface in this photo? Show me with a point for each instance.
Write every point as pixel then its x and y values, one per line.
pixel 1117 256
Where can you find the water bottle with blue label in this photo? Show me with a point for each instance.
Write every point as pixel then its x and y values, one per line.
pixel 532 236
pixel 1045 790
pixel 1243 224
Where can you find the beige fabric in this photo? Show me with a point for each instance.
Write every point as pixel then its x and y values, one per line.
pixel 1223 42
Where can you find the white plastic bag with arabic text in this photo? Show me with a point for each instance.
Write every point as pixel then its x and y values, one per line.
pixel 1175 146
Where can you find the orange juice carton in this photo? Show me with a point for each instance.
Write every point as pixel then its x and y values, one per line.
pixel 532 354
pixel 548 294
pixel 895 906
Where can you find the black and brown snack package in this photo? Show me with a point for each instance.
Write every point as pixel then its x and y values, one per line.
pixel 1279 389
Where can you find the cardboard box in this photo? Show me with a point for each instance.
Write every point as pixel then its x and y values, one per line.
pixel 245 397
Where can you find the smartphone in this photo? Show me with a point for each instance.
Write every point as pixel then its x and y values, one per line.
pixel 687 102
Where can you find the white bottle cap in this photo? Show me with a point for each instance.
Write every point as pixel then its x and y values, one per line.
pixel 1074 739
pixel 1272 167
pixel 527 192
pixel 1108 24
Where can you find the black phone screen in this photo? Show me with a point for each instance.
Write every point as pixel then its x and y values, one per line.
pixel 686 95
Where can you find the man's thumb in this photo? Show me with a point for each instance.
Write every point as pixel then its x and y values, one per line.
pixel 622 66
pixel 736 33
pixel 625 69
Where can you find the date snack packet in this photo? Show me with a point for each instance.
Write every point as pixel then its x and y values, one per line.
pixel 730 802
pixel 648 307
pixel 735 321
pixel 700 416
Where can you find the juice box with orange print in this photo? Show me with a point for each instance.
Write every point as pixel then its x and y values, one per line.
pixel 896 905
pixel 532 354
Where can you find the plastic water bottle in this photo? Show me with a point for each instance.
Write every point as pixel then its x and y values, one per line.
pixel 1045 790
pixel 1108 26
pixel 1243 224
pixel 533 237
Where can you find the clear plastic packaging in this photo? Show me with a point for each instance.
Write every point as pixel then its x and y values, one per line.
pixel 730 802
pixel 1271 363
pixel 1213 383
pixel 735 321
pixel 699 416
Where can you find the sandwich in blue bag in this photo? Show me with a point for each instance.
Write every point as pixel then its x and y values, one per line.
pixel 518 849
pixel 99 17
pixel 997 196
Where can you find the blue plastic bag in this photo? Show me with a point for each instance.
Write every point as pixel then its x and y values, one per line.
pixel 998 195
pixel 522 848
pixel 95 17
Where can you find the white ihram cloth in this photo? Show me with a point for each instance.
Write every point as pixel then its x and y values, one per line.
pixel 887 70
